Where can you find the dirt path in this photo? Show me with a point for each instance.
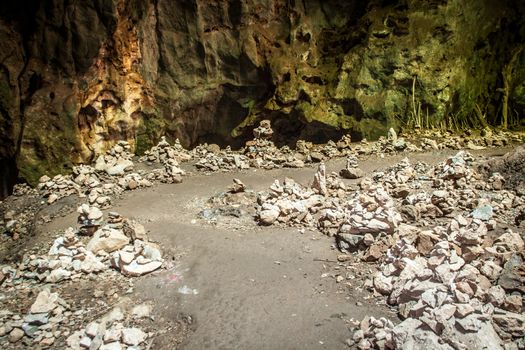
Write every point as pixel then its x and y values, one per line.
pixel 247 288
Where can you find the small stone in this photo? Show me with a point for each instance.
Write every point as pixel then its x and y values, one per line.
pixel 94 214
pixel 92 329
pixel 368 239
pixel 133 336
pixel 351 173
pixel 37 319
pixel 483 213
pixel 141 311
pixel 85 342
pixel 392 135
pixel 269 216
pixel 45 302
pixel 15 335
pixel 513 303
pixel 496 295
pixel 112 335
pixel 510 322
pixel 29 330
pixel 383 284
pixel 47 341
pixel 112 346
pixel 58 275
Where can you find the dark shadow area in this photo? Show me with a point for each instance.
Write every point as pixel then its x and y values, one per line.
pixel 8 176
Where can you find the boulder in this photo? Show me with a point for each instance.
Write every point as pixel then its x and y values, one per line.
pixel 108 240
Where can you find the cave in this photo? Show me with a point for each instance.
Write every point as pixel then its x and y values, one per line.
pixel 270 174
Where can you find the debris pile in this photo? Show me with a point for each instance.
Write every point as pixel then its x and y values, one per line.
pixel 23 189
pixel 449 297
pixel 117 161
pixel 39 326
pixel 369 218
pixel 163 152
pixel 288 203
pixel 225 160
pixel 133 181
pixel 110 332
pixel 16 224
pixel 263 153
pixel 59 186
pixel 296 205
pixel 69 258
pixel 138 259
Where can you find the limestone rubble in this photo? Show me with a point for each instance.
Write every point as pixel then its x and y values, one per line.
pixel 445 276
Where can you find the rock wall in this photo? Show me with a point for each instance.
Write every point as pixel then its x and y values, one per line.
pixel 76 76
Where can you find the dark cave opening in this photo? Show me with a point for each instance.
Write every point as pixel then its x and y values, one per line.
pixel 8 176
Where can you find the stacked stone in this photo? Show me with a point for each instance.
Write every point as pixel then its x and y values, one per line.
pixel 163 151
pixel 351 171
pixel 117 161
pixel 59 187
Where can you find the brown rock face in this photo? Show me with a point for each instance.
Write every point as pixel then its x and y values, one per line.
pixel 77 76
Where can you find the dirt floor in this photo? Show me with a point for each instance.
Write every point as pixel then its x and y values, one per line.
pixel 230 284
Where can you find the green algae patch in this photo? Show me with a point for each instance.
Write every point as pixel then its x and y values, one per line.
pixel 149 131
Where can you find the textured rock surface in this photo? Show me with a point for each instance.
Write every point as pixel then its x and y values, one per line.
pixel 76 77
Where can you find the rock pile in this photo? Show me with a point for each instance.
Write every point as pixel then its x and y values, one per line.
pixel 225 160
pixel 288 203
pixel 369 218
pixel 263 131
pixel 109 333
pixel 16 224
pixel 351 171
pixel 454 284
pixel 133 181
pixel 138 259
pixel 448 297
pixel 39 326
pixel 23 189
pixel 58 187
pixel 116 161
pixel 447 279
pixel 263 153
pixel 171 173
pixel 67 259
pixel 294 204
pixel 163 152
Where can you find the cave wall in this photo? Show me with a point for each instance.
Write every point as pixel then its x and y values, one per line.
pixel 78 75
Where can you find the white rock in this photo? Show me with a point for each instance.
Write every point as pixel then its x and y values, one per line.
pixel 120 168
pixel 268 217
pixel 111 346
pixel 58 275
pixel 45 302
pixel 141 311
pixel 112 335
pixel 136 269
pixel 133 336
pixel 496 295
pixel 383 284
pixel 15 335
pixel 94 213
pixel 92 329
pixel 107 240
pixel 85 342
